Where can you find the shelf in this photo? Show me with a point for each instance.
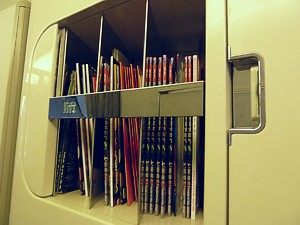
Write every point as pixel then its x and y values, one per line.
pixel 172 220
pixel 185 99
pixel 121 214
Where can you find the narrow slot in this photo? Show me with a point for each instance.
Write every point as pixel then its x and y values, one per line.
pixel 173 146
pixel 75 149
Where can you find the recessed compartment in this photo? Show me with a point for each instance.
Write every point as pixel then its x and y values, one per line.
pixel 128 98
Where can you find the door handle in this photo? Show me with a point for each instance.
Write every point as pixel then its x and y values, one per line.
pixel 248 62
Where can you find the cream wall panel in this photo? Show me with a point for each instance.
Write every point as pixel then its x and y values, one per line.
pixel 265 168
pixel 14 24
pixel 7 22
pixel 7 3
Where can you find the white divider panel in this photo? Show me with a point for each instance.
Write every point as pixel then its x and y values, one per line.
pixel 41 133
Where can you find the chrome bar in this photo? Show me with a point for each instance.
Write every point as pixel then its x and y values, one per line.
pixel 246 62
pixel 184 99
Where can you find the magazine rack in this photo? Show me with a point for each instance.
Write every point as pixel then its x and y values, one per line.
pixel 151 27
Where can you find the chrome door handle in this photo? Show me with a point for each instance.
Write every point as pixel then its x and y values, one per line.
pixel 245 62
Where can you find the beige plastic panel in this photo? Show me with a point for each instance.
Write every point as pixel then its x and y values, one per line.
pixel 264 168
pixel 217 114
pixel 14 27
pixel 7 21
pixel 40 144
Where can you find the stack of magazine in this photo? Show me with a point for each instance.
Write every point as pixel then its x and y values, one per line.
pixel 108 155
pixel 170 146
pixel 95 154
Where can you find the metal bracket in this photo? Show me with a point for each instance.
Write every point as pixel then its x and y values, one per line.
pixel 243 62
